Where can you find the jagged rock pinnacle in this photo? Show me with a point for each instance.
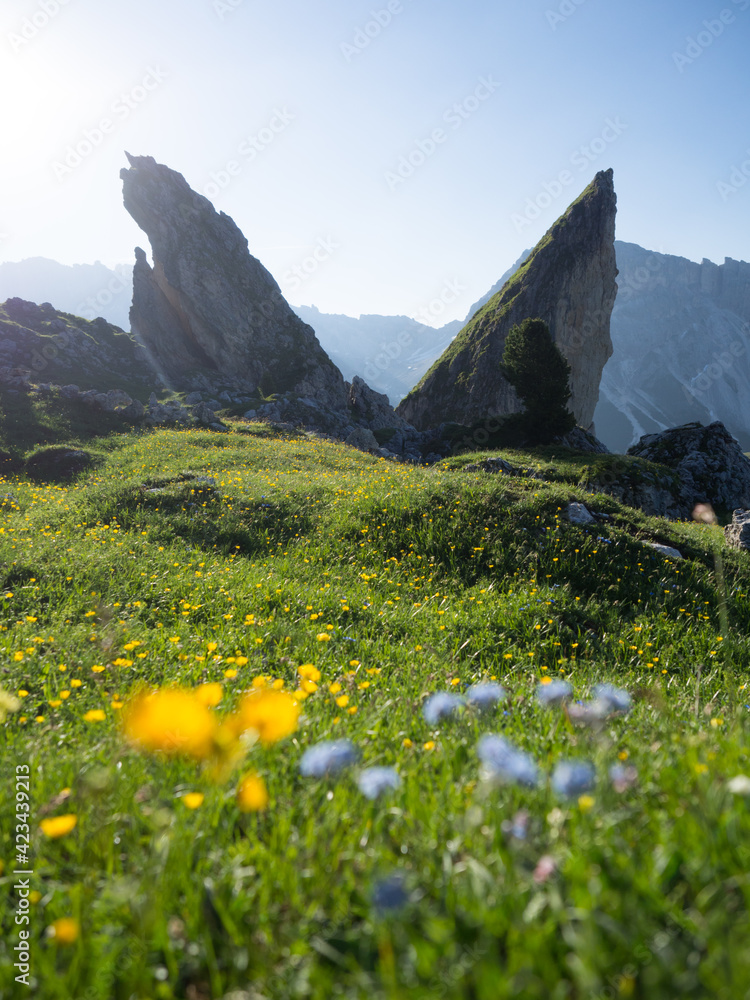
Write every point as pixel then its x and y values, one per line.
pixel 568 280
pixel 207 304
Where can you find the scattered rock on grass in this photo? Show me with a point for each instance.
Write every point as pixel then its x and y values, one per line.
pixel 737 534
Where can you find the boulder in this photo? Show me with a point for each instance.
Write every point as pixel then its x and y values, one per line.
pixel 577 513
pixel 709 463
pixel 737 534
pixel 362 439
pixel 665 550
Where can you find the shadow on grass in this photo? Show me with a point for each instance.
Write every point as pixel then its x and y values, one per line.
pixel 199 514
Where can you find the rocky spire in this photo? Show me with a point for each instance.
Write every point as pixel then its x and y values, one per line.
pixel 568 280
pixel 207 304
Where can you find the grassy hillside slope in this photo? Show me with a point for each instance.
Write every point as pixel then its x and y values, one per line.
pixel 192 558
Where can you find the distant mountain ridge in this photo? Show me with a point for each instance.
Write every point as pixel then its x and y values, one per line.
pixel 680 332
pixel 85 290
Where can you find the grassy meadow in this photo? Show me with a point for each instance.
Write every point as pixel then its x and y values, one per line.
pixel 251 561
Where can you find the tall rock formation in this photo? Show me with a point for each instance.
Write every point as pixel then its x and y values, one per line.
pixel 207 304
pixel 681 336
pixel 568 280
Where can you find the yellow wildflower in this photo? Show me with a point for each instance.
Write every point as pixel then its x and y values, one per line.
pixel 272 714
pixel 58 826
pixel 64 931
pixel 172 720
pixel 193 800
pixel 252 795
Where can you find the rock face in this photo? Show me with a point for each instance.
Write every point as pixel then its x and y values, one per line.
pixel 373 408
pixel 207 304
pixel 54 346
pixel 737 533
pixel 681 336
pixel 708 461
pixel 568 281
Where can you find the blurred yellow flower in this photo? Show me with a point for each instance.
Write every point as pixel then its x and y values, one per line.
pixel 172 720
pixel 272 714
pixel 342 701
pixel 64 931
pixel 308 672
pixel 58 826
pixel 323 637
pixel 94 715
pixel 193 800
pixel 209 694
pixel 585 803
pixel 251 793
pixel 8 703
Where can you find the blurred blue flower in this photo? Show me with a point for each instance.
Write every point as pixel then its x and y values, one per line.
pixel 572 778
pixel 390 893
pixel 441 705
pixel 373 781
pixel 486 696
pixel 617 699
pixel 518 827
pixel 623 776
pixel 553 693
pixel 589 713
pixel 506 762
pixel 328 757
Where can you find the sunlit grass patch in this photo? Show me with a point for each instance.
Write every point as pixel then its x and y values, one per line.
pixel 182 626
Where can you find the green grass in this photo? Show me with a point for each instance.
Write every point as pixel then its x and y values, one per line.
pixel 430 579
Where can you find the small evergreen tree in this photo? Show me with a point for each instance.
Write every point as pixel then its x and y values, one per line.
pixel 536 369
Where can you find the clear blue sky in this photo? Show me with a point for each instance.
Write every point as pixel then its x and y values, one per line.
pixel 316 118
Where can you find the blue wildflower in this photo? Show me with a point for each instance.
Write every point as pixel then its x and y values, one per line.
pixel 553 693
pixel 572 778
pixel 390 893
pixel 589 713
pixel 506 762
pixel 441 705
pixel 373 781
pixel 328 757
pixel 617 699
pixel 623 776
pixel 486 696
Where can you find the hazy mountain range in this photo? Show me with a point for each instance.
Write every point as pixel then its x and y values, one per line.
pixel 680 330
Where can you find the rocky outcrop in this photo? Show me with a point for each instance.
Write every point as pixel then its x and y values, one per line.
pixel 207 304
pixel 568 281
pixel 53 346
pixel 373 408
pixel 709 463
pixel 681 337
pixel 737 533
